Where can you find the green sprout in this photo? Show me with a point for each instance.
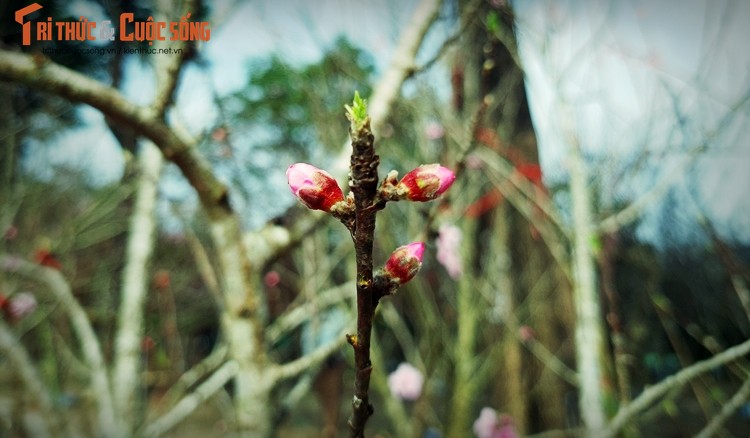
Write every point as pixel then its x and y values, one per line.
pixel 357 112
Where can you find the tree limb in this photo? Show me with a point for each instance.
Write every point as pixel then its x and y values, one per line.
pixel 92 352
pixel 727 410
pixel 189 403
pixel 21 363
pixel 47 76
pixel 651 394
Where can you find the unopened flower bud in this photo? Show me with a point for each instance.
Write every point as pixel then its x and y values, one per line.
pixel 426 182
pixel 404 262
pixel 316 188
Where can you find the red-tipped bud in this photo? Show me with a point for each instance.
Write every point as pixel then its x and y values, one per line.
pixel 426 182
pixel 316 188
pixel 404 262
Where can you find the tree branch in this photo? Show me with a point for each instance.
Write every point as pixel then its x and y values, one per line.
pixel 44 75
pixel 651 394
pixel 21 364
pixel 130 327
pixel 190 402
pixel 313 359
pixel 727 410
pixel 60 289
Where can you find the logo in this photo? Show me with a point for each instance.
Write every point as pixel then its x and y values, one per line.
pixel 129 29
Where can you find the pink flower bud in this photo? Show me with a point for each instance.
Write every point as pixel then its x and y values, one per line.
pixel 426 182
pixel 406 382
pixel 404 262
pixel 316 188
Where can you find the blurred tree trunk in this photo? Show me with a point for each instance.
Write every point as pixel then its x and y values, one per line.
pixel 126 376
pixel 537 293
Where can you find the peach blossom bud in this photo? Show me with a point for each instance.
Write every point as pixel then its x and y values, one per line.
pixel 426 182
pixel 404 262
pixel 316 188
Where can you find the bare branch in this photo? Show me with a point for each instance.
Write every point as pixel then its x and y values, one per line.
pixel 23 366
pixel 298 315
pixel 634 210
pixel 44 75
pixel 196 373
pixel 737 400
pixel 130 328
pixel 189 403
pixel 651 394
pixel 92 352
pixel 312 360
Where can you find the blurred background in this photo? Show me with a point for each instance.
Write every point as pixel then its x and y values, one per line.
pixel 594 243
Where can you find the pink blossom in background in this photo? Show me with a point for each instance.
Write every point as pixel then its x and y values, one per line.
pixel 434 131
pixel 449 250
pixel 526 333
pixel 406 382
pixel 20 305
pixel 11 232
pixel 474 162
pixel 491 425
pixel 272 278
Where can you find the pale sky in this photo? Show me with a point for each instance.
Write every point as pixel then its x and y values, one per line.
pixel 645 82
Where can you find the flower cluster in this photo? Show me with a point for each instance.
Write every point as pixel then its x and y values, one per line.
pixel 318 190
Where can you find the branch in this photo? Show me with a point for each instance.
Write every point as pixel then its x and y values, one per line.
pixel 130 326
pixel 60 289
pixel 298 315
pixel 47 76
pixel 634 210
pixel 651 394
pixel 363 182
pixel 737 400
pixel 196 373
pixel 312 360
pixel 21 363
pixel 589 331
pixel 189 403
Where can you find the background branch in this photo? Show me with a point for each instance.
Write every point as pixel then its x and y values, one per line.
pixel 651 394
